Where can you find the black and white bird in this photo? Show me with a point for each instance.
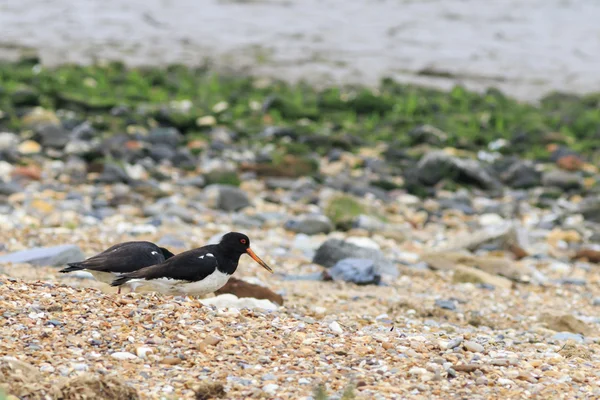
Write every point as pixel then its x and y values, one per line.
pixel 195 272
pixel 121 258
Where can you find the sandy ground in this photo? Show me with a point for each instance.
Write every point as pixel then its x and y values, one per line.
pixel 526 48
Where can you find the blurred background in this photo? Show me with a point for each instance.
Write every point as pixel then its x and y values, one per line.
pixel 527 48
pixel 421 175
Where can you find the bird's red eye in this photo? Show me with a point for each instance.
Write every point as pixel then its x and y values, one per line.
pixel 243 241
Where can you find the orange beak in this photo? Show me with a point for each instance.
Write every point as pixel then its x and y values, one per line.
pixel 258 260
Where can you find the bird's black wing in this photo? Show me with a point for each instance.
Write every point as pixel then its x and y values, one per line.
pixel 124 257
pixel 192 265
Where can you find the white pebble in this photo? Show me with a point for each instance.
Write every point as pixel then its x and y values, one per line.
pixel 320 310
pixel 335 327
pixel 505 382
pixel 123 355
pixel 271 388
pixel 47 368
pixel 303 381
pixel 80 367
pixel 142 352
pixel 473 346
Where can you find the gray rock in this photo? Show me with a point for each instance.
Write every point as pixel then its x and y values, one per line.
pixel 568 336
pixel 43 256
pixel 438 165
pixel 113 173
pixel 54 136
pixel 184 159
pixel 562 179
pixel 590 209
pixel 168 136
pixel 310 224
pixel 522 175
pixel 334 250
pixel 8 188
pixel 446 304
pixel 160 151
pixel 225 197
pixel 84 131
pixel 356 270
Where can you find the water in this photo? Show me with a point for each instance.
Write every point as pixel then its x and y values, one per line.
pixel 524 47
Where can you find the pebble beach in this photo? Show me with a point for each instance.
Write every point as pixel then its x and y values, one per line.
pixel 426 243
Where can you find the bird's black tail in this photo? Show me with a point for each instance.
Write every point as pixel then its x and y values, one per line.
pixel 120 280
pixel 72 267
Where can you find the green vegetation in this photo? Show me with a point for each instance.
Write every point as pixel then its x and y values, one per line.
pixel 333 117
pixel 342 209
pixel 222 177
pixel 320 393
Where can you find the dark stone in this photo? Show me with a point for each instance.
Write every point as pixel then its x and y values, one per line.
pixel 25 97
pixel 356 270
pixel 310 224
pixel 168 136
pixel 52 136
pixel 521 175
pixel 184 159
pixel 159 152
pixel 335 155
pixel 446 304
pixel 562 179
pixel 226 197
pixel 8 188
pixel 437 166
pixel 334 250
pixel 113 173
pixel 457 204
pixel 84 131
pixel 590 209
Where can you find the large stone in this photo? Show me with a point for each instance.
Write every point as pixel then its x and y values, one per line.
pixel 521 175
pixel 167 136
pixel 334 250
pixel 356 270
pixel 310 224
pixel 243 289
pixel 562 179
pixel 439 165
pixel 226 197
pixel 52 135
pixel 45 256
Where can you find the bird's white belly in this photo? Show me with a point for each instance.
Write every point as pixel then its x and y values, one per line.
pixel 213 282
pixel 106 277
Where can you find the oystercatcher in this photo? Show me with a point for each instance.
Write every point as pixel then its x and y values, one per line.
pixel 195 272
pixel 119 259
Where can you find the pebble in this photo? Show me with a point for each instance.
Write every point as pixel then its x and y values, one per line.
pixel 270 388
pixel 123 355
pixel 336 328
pixel 142 352
pixel 455 342
pixel 473 346
pixel 446 304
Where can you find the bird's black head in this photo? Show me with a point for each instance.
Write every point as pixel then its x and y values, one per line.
pixel 236 243
pixel 166 253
